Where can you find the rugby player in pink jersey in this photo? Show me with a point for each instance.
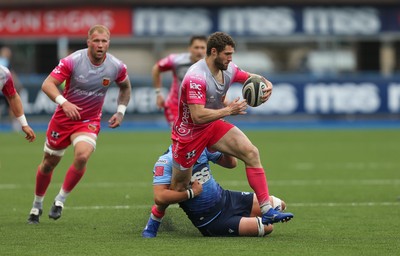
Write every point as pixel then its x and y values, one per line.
pixel 200 123
pixel 178 63
pixel 88 74
pixel 8 89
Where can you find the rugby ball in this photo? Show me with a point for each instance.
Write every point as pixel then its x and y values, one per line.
pixel 252 90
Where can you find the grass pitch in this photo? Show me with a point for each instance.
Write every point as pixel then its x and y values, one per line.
pixel 342 185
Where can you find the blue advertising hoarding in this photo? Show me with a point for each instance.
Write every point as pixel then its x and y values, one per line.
pixel 359 96
pixel 261 21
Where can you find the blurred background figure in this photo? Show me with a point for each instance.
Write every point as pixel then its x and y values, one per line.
pixel 15 103
pixel 178 63
pixel 5 60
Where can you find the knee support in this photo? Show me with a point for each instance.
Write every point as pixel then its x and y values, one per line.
pixel 86 139
pixel 53 152
pixel 260 226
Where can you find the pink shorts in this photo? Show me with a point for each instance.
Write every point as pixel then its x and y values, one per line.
pixel 186 152
pixel 171 113
pixel 58 135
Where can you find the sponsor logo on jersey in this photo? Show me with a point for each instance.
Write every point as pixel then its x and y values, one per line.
pixel 183 128
pixel 106 81
pixel 195 95
pixel 194 85
pixel 162 161
pixel 81 79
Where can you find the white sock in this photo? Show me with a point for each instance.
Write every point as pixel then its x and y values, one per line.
pixel 155 218
pixel 265 207
pixel 38 202
pixel 62 196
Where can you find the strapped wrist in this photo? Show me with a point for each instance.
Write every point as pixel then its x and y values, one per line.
pixel 121 109
pixel 60 100
pixel 22 120
pixel 190 193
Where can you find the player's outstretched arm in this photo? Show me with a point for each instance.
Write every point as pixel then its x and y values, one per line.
pixel 165 196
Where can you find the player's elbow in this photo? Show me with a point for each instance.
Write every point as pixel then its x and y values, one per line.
pixel 232 163
pixel 229 162
pixel 162 199
pixel 197 119
pixel 159 200
pixel 155 70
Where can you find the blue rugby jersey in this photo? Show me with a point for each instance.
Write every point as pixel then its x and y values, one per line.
pixel 206 206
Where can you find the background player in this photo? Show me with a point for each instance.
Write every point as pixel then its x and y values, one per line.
pixel 200 125
pixel 213 210
pixel 178 63
pixel 88 73
pixel 8 89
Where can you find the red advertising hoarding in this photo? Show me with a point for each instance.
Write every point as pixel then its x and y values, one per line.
pixel 70 22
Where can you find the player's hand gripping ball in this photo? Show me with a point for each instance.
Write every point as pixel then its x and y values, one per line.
pixel 252 90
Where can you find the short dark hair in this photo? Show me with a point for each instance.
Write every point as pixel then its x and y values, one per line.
pixel 197 37
pixel 219 40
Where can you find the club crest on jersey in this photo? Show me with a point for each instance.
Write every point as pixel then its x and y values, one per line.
pixel 106 81
pixel 55 135
pixel 190 154
pixel 159 171
pixel 92 127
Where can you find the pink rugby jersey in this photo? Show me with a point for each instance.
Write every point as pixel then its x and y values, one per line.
pixel 87 84
pixel 200 87
pixel 178 64
pixel 6 82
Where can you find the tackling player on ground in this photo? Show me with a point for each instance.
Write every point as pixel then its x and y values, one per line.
pixel 213 210
pixel 178 63
pixel 88 73
pixel 199 124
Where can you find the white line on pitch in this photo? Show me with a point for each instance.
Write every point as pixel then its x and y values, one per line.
pixel 351 204
pixel 232 183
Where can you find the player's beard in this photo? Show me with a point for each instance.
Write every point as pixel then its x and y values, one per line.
pixel 98 57
pixel 220 64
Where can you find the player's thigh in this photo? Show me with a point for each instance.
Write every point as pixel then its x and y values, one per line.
pixel 249 226
pixel 255 209
pixel 234 143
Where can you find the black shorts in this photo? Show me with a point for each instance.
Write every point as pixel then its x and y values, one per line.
pixel 237 205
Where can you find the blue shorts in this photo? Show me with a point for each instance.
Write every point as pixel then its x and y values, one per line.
pixel 237 205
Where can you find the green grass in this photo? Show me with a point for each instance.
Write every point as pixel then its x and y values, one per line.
pixel 342 186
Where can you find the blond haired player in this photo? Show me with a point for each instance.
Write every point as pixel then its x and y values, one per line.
pixel 88 73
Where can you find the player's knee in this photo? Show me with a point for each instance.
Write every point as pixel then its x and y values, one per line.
pixel 253 151
pixel 81 158
pixel 47 166
pixel 263 230
pixel 251 154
